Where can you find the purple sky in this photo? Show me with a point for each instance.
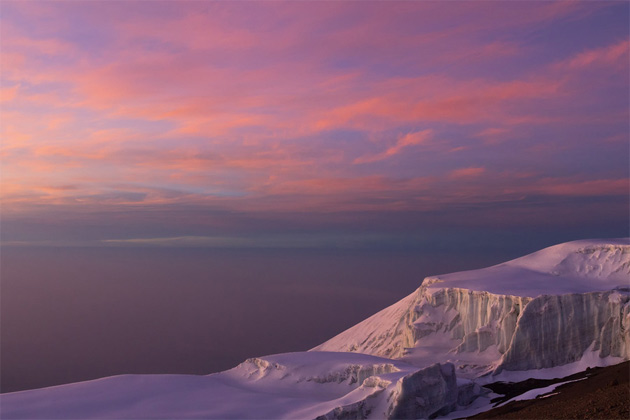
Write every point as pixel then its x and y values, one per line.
pixel 270 124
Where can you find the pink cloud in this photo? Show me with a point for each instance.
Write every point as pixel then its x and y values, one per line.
pixel 8 94
pixel 467 172
pixel 494 135
pixel 615 54
pixel 409 139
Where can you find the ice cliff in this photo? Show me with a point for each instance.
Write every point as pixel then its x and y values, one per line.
pixel 540 311
pixel 557 330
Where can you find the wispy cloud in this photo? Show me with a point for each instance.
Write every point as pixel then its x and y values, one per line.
pixel 295 241
pixel 609 55
pixel 409 139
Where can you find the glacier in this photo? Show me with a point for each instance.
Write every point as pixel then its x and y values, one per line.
pixel 548 314
pixel 543 310
pixel 323 385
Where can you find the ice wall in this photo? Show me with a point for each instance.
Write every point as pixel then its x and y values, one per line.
pixel 497 318
pixel 437 325
pixel 481 331
pixel 422 394
pixel 478 319
pixel 425 394
pixel 557 330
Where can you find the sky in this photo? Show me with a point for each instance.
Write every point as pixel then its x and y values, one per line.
pixel 313 124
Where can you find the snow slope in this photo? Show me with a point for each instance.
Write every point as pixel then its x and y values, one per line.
pixel 548 314
pixel 291 385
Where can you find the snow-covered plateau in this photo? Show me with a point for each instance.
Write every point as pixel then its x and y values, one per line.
pixel 548 314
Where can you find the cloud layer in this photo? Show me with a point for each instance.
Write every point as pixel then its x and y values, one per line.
pixel 117 113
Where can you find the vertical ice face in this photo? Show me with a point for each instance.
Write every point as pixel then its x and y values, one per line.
pixel 481 319
pixel 557 330
pixel 468 328
pixel 425 393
